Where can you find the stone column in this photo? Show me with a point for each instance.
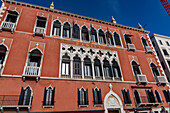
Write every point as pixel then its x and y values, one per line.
pixel 93 71
pixel 82 68
pixel 61 31
pixel 71 68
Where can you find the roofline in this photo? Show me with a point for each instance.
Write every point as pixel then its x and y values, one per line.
pixel 158 35
pixel 74 15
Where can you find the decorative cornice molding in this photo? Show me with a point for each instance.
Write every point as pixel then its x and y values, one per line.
pixel 74 15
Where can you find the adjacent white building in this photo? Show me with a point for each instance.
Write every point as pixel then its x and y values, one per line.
pixel 162 46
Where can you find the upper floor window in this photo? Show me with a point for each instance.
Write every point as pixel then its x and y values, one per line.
pixel 3 51
pixel 136 68
pixel 56 28
pixel 83 97
pixel 126 96
pixel 137 97
pixel 160 42
pixel 109 38
pixel 87 66
pixel 41 22
pixel 25 96
pixel 65 65
pixel 76 32
pixel 154 69
pixel 116 69
pixel 76 65
pixel 12 16
pixel 165 52
pixel 66 30
pixel 93 35
pixel 102 37
pixel 49 96
pixel 144 42
pixel 107 68
pixel 117 39
pixel 33 64
pixel 158 97
pixel 97 68
pixel 85 33
pixel 167 95
pixel 128 39
pixel 97 98
pixel 167 43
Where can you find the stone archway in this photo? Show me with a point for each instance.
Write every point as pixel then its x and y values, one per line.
pixel 112 102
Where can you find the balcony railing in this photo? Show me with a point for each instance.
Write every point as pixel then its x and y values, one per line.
pixel 32 71
pixel 141 79
pixel 161 80
pixel 8 26
pixel 148 49
pixel 39 31
pixel 131 47
pixel 146 102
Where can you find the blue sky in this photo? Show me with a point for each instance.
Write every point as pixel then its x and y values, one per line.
pixel 126 12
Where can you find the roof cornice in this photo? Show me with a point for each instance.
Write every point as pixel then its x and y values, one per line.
pixel 160 36
pixel 74 15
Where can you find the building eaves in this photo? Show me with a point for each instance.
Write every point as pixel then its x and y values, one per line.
pixel 160 36
pixel 74 15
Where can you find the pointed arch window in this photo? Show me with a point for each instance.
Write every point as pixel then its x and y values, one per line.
pixel 109 38
pixel 167 95
pixel 94 35
pixel 66 30
pixel 137 97
pixel 126 96
pixel 49 96
pixel 76 65
pixel 56 28
pixel 65 65
pixel 117 39
pixel 25 96
pixel 144 42
pixel 87 66
pixel 154 70
pixel 3 51
pixel 136 68
pixel 158 97
pixel 102 37
pixel 97 68
pixel 127 39
pixel 76 33
pixel 116 69
pixel 85 33
pixel 83 97
pixel 97 98
pixel 34 62
pixel 150 96
pixel 107 68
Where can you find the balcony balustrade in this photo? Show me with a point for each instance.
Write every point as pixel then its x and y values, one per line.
pixel 131 47
pixel 8 26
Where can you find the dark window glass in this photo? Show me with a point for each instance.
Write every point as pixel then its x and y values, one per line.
pixel 41 22
pixel 83 97
pixel 165 52
pixel 116 69
pixel 160 42
pixel 102 37
pixel 97 98
pixel 49 96
pixel 167 43
pixel 25 96
pixel 97 68
pixel 65 65
pixel 66 30
pixel 85 33
pixel 158 96
pixel 94 35
pixel 127 39
pixel 137 97
pixel 11 17
pixel 109 38
pixel 154 69
pixel 76 65
pixel 56 28
pixel 87 67
pixel 107 68
pixel 117 39
pixel 76 34
pixel 136 68
pixel 35 58
pixel 2 53
pixel 168 62
pixel 167 95
pixel 126 96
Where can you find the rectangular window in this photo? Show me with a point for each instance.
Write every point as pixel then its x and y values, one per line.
pixel 101 39
pixel 160 42
pixel 128 39
pixel 165 52
pixel 167 43
pixel 41 22
pixel 97 71
pixel 106 72
pixel 87 70
pixel 77 68
pixel 65 68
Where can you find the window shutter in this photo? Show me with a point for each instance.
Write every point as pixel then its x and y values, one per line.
pixel 52 99
pixel 128 96
pixel 148 96
pixel 21 97
pixel 78 96
pixel 94 100
pixel 86 98
pixel 28 96
pixel 168 95
pixel 152 96
pixel 165 94
pixel 45 94
pixel 124 97
pixel 100 96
